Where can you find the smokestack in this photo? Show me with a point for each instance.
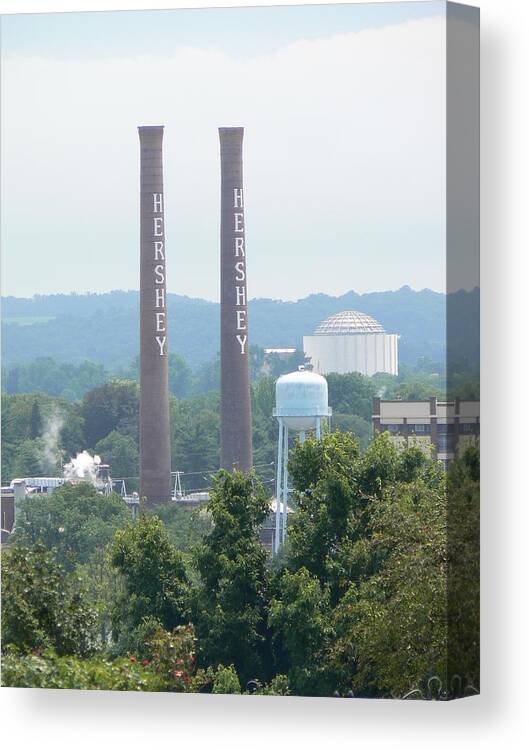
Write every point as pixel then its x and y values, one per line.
pixel 235 410
pixel 155 447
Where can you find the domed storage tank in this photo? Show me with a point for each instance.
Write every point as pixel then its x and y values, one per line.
pixel 301 398
pixel 351 341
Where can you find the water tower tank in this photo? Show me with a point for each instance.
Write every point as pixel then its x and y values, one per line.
pixel 301 397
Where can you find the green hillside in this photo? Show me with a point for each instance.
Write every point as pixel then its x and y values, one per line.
pixel 103 328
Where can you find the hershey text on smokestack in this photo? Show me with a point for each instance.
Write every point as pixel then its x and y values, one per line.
pixel 159 272
pixel 240 268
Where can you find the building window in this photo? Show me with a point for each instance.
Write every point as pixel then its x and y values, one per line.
pixel 420 429
pixel 445 443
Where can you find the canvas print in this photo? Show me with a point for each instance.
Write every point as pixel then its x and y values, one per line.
pixel 240 351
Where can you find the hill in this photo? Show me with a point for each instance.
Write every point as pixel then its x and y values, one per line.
pixel 104 327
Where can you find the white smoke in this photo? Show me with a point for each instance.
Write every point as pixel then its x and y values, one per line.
pixel 82 467
pixel 50 453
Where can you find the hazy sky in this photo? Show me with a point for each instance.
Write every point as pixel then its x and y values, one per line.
pixel 344 147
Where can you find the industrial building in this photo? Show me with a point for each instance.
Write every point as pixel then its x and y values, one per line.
pixel 441 428
pixel 352 341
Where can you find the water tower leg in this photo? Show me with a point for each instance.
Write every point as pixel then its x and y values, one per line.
pixel 285 483
pixel 318 428
pixel 302 436
pixel 278 484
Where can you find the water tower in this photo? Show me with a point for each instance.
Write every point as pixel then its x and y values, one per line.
pixel 302 403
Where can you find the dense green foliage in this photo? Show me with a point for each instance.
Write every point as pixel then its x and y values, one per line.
pixel 375 591
pixel 122 453
pixel 46 375
pixel 463 559
pixel 76 521
pixel 351 394
pixel 34 442
pixel 229 607
pixel 154 576
pixel 185 527
pixel 377 587
pixel 109 407
pixel 42 605
pixel 41 432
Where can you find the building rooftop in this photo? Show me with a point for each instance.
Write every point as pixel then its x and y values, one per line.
pixel 348 322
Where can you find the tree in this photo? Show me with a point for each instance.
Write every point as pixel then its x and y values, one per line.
pixel 195 438
pixel 257 358
pixel 42 605
pixel 417 390
pixel 35 421
pixel 371 531
pixel 351 393
pixel 180 376
pixel 47 375
pixel 26 461
pixel 75 520
pixel 208 377
pixel 21 456
pixel 280 364
pixel 121 452
pixel 155 580
pixel 17 411
pixel 263 423
pixel 299 616
pixel 72 440
pixel 360 427
pixel 112 406
pixel 226 682
pixel 331 507
pixel 394 622
pixel 185 527
pixel 229 607
pixel 463 552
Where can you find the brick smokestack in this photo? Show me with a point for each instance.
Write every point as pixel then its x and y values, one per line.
pixel 155 447
pixel 235 409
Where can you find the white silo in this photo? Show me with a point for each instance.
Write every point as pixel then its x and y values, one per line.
pixel 352 341
pixel 302 402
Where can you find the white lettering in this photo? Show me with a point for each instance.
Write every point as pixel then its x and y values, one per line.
pixel 240 292
pixel 239 267
pixel 158 203
pixel 241 322
pixel 159 297
pixel 239 247
pixel 159 273
pixel 239 227
pixel 158 226
pixel 161 343
pixel 160 322
pixel 237 198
